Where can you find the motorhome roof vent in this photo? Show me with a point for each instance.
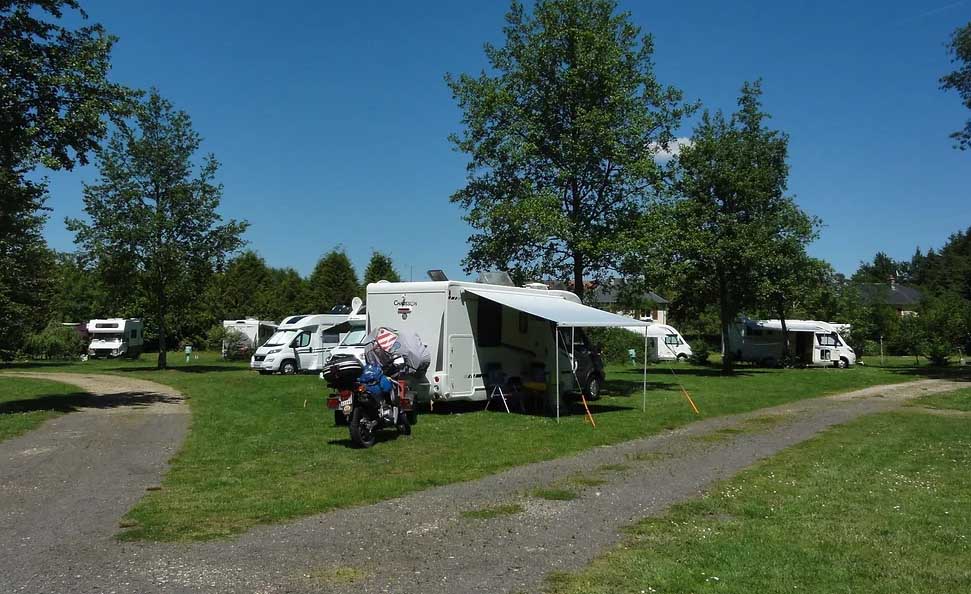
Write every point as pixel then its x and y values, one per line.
pixel 340 309
pixel 538 286
pixel 495 278
pixel 437 275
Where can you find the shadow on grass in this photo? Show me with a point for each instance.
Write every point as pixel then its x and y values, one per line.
pixel 382 436
pixel 75 401
pixel 178 368
pixel 954 373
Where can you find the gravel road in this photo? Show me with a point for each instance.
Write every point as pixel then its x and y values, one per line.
pixel 420 543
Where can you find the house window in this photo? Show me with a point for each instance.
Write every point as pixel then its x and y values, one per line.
pixel 489 323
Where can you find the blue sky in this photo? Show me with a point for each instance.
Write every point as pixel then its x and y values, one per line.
pixel 330 119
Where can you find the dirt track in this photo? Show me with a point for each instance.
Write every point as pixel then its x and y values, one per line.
pixel 420 543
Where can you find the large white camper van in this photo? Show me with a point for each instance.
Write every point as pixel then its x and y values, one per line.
pixel 664 343
pixel 116 337
pixel 254 332
pixel 300 343
pixel 811 342
pixel 478 333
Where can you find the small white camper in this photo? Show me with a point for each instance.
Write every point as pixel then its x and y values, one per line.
pixel 664 342
pixel 301 343
pixel 116 337
pixel 254 332
pixel 353 342
pixel 811 343
pixel 478 333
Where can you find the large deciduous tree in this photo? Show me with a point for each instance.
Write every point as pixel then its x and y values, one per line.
pixel 333 282
pixel 54 94
pixel 562 139
pixel 153 212
pixel 959 47
pixel 732 230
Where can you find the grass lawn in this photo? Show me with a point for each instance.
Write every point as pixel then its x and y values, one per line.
pixel 957 400
pixel 26 403
pixel 263 449
pixel 882 505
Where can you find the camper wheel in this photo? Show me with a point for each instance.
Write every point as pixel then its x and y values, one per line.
pixel 592 389
pixel 682 357
pixel 288 367
pixel 842 363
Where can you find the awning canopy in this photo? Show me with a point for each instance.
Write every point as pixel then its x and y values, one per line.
pixel 557 309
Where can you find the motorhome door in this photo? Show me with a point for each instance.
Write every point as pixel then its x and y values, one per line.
pixel 826 344
pixel 305 352
pixel 462 366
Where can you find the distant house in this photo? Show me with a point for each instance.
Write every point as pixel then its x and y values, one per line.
pixel 902 298
pixel 610 297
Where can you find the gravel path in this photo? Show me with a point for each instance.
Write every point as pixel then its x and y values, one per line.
pixel 65 485
pixel 420 543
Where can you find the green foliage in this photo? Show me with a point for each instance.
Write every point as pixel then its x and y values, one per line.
pixel 561 139
pixel 700 352
pixel 55 342
pixel 732 237
pixel 53 94
pixel 880 270
pixel 380 268
pixel 614 344
pixel 153 217
pixel 959 47
pixel 333 282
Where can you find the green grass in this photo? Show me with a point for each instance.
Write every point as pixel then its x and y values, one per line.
pixel 882 505
pixel 256 455
pixel 555 494
pixel 26 403
pixel 957 400
pixel 496 511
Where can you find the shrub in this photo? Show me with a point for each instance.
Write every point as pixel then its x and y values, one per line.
pixel 55 342
pixel 700 351
pixel 615 342
pixel 236 344
pixel 938 351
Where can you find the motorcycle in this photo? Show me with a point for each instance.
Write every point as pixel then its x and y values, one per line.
pixel 368 400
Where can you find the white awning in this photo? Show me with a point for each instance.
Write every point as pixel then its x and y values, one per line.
pixel 557 309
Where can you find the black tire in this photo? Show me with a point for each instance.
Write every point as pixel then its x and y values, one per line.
pixel 340 419
pixel 362 435
pixel 412 417
pixel 682 357
pixel 842 363
pixel 288 367
pixel 592 389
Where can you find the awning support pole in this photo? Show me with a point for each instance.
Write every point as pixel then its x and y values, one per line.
pixel 644 383
pixel 556 354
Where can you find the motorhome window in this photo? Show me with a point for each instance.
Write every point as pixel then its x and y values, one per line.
pixel 489 323
pixel 332 337
pixel 302 340
pixel 106 325
pixel 828 340
pixel 672 339
pixel 354 338
pixel 281 338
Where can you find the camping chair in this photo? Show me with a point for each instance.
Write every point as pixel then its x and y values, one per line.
pixel 495 378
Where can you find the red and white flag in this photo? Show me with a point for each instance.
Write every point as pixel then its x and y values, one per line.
pixel 386 339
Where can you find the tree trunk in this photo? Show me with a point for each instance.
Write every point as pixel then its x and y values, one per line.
pixel 162 363
pixel 725 316
pixel 578 287
pixel 785 331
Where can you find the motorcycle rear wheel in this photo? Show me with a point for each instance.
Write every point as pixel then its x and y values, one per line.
pixel 362 434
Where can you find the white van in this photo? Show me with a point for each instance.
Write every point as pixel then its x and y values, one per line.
pixel 811 343
pixel 116 337
pixel 664 343
pixel 255 333
pixel 301 343
pixel 352 343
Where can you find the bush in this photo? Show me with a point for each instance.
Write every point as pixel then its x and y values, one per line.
pixel 615 342
pixel 55 342
pixel 236 344
pixel 700 351
pixel 938 352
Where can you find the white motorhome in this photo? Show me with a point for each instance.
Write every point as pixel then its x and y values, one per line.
pixel 116 337
pixel 353 342
pixel 254 332
pixel 301 343
pixel 664 342
pixel 478 333
pixel 811 343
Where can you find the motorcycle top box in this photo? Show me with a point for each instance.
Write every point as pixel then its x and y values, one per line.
pixel 342 373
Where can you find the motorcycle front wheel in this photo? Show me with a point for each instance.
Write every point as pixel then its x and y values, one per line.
pixel 361 428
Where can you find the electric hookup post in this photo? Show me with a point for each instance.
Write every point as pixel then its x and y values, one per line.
pixel 632 355
pixel 188 352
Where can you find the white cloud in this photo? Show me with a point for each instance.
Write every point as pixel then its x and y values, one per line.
pixel 674 148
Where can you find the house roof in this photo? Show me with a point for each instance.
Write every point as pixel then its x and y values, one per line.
pixel 610 293
pixel 890 294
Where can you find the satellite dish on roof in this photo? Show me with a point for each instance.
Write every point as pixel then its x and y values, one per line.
pixel 356 304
